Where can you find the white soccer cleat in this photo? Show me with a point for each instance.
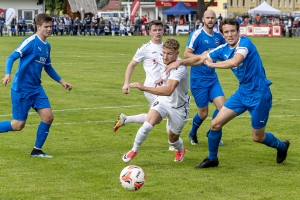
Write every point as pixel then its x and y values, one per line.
pixel 120 121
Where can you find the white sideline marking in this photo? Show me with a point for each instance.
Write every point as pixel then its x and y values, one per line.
pixel 115 107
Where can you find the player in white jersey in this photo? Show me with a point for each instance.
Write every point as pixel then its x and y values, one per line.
pixel 172 101
pixel 148 54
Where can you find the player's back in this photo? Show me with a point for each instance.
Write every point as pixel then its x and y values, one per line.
pixel 200 41
pixel 34 55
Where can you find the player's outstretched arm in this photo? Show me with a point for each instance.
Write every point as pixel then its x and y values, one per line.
pixel 66 85
pixel 231 63
pixel 9 64
pixel 128 74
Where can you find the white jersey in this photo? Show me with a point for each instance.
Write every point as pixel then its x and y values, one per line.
pixel 180 96
pixel 148 54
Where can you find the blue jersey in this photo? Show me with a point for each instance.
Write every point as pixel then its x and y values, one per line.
pixel 200 41
pixel 35 54
pixel 251 73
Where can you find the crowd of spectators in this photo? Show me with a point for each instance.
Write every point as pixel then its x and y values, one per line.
pixel 98 26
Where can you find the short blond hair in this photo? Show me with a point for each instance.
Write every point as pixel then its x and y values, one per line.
pixel 172 44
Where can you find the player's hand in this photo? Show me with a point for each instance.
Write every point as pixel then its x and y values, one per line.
pixel 136 85
pixel 125 89
pixel 66 85
pixel 159 82
pixel 6 79
pixel 173 65
pixel 208 62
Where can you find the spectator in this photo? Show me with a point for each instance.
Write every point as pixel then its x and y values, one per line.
pixel 220 18
pixel 61 27
pixel 54 27
pixel 257 20
pixel 198 23
pixel 21 26
pixel 13 24
pixel 290 25
pixel 238 19
pixel 111 25
pixel 137 26
pixel 88 27
pixel 298 28
pixel 122 29
pixel 159 18
pixel 76 23
pixel 181 20
pixel 101 26
pixel 281 23
pixel 2 20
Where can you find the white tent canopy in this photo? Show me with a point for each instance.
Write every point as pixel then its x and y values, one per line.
pixel 264 8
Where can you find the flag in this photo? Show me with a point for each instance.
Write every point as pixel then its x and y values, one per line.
pixel 134 8
pixel 128 11
pixel 10 13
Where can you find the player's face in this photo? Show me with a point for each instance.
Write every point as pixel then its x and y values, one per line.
pixel 44 30
pixel 209 19
pixel 169 55
pixel 156 33
pixel 230 34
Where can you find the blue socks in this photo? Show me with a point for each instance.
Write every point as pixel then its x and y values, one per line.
pixel 272 141
pixel 214 138
pixel 5 126
pixel 215 113
pixel 197 121
pixel 41 135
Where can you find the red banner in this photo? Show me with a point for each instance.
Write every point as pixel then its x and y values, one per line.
pixel 134 8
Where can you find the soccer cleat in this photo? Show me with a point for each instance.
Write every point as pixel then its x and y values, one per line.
pixel 179 155
pixel 206 163
pixel 281 155
pixel 129 156
pixel 193 139
pixel 120 121
pixel 220 143
pixel 171 148
pixel 40 153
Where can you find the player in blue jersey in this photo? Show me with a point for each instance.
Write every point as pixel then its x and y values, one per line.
pixel 204 82
pixel 26 89
pixel 253 94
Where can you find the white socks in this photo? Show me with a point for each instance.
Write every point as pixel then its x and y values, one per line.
pixel 178 145
pixel 141 136
pixel 141 118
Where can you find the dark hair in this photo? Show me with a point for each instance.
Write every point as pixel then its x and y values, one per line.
pixel 41 18
pixel 229 21
pixel 156 23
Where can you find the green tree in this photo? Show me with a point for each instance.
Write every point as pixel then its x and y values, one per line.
pixel 102 3
pixel 202 7
pixel 54 6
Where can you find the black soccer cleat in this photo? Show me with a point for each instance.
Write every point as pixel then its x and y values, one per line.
pixel 193 139
pixel 206 163
pixel 281 155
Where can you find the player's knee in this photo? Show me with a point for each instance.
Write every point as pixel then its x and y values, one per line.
pixel 18 126
pixel 48 119
pixel 215 126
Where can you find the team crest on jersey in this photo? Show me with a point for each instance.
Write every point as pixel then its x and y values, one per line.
pixel 217 41
pixel 154 61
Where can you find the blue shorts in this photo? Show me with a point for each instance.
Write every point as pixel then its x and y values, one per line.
pixel 21 103
pixel 205 91
pixel 258 105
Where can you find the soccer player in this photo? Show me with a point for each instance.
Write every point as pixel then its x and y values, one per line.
pixel 148 54
pixel 172 101
pixel 26 89
pixel 204 82
pixel 253 94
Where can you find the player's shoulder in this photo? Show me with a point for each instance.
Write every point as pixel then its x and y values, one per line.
pixel 145 46
pixel 197 32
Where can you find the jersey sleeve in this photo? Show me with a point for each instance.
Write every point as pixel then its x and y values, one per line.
pixel 216 54
pixel 139 55
pixel 178 74
pixel 244 47
pixel 193 41
pixel 26 47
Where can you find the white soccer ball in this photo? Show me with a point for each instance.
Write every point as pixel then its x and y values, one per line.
pixel 132 177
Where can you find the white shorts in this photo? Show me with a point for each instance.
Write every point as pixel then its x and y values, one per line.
pixel 150 97
pixel 177 117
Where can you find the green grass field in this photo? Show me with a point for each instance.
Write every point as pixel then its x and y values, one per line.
pixel 88 153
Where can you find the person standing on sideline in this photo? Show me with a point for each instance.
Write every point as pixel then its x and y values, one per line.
pixel 253 94
pixel 2 21
pixel 26 89
pixel 204 82
pixel 172 101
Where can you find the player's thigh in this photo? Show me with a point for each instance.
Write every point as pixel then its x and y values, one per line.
pixel 178 118
pixel 200 95
pixel 223 117
pixel 216 94
pixel 42 105
pixel 260 110
pixel 160 107
pixel 20 105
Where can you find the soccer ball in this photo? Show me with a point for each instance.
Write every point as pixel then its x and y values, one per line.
pixel 132 177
